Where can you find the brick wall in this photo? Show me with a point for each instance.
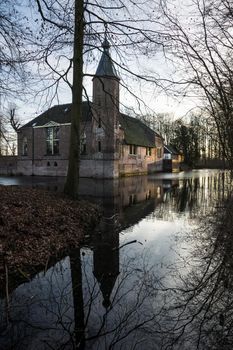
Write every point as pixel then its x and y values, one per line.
pixel 8 165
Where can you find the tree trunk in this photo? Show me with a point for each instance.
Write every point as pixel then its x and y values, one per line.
pixel 79 316
pixel 72 179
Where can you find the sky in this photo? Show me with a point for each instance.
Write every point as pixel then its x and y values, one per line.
pixel 156 100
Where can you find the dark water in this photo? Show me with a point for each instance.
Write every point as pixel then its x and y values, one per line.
pixel 150 277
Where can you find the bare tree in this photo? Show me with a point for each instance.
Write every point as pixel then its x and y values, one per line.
pixel 75 40
pixel 16 50
pixel 9 125
pixel 201 310
pixel 201 48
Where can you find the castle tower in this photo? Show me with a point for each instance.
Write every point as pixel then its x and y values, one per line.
pixel 106 257
pixel 106 104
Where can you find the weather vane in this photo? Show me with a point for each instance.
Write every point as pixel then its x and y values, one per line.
pixel 106 30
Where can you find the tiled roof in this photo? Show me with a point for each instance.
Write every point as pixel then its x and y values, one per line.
pixel 136 132
pixel 60 114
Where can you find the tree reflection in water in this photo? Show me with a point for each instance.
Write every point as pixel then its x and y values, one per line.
pixel 110 296
pixel 69 307
pixel 117 297
pixel 77 315
pixel 201 306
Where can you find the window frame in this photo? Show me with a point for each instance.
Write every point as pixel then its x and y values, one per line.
pixel 52 139
pixel 149 151
pixel 25 146
pixel 159 152
pixel 132 150
pixel 83 144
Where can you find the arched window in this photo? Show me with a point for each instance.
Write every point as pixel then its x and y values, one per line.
pixel 83 144
pixel 25 147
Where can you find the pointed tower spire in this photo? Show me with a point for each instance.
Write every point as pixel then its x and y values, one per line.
pixel 106 67
pixel 106 91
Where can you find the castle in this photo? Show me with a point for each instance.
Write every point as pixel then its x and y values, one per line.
pixel 112 144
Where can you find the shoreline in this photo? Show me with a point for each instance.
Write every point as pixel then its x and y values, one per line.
pixel 37 225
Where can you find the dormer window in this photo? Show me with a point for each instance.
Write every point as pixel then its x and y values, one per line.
pixel 52 140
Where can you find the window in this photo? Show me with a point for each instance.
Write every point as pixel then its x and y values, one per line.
pixel 99 123
pixel 99 146
pixel 148 194
pixel 52 140
pixel 83 144
pixel 158 192
pixel 25 147
pixel 159 152
pixel 132 149
pixel 132 199
pixel 148 151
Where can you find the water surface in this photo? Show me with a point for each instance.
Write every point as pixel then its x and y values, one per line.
pixel 147 278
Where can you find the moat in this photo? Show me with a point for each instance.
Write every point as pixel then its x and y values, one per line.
pixel 150 276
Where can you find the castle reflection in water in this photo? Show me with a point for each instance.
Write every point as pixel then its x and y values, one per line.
pixel 125 202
